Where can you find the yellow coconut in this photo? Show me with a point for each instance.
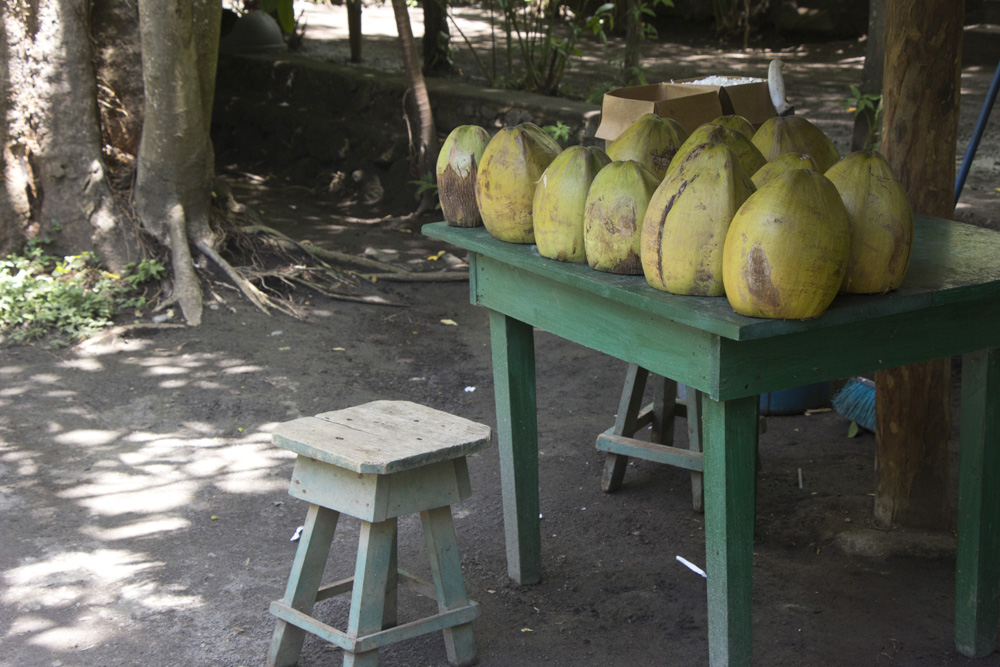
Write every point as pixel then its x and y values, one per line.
pixel 712 133
pixel 881 223
pixel 612 224
pixel 560 199
pixel 456 170
pixel 738 123
pixel 651 140
pixel 795 134
pixel 787 248
pixel 512 163
pixel 781 164
pixel 686 222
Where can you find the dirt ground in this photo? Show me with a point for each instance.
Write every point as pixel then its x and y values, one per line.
pixel 145 520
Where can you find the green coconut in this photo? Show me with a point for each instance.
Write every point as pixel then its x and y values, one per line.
pixel 787 248
pixel 512 163
pixel 651 140
pixel 560 200
pixel 795 134
pixel 457 168
pixel 736 122
pixel 713 133
pixel 881 221
pixel 612 223
pixel 684 230
pixel 781 164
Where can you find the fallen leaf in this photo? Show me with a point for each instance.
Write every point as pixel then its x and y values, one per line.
pixel 451 323
pixel 436 257
pixel 852 430
pixel 338 349
pixel 526 630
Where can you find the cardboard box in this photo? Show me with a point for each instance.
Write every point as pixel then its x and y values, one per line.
pixel 688 104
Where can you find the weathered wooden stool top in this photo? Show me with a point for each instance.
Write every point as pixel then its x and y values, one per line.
pixel 382 437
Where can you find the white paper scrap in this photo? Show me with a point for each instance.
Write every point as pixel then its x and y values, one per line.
pixel 298 533
pixel 691 566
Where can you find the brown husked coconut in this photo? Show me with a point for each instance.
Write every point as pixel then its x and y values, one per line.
pixel 616 206
pixel 795 134
pixel 651 141
pixel 685 227
pixel 560 200
pixel 787 248
pixel 512 163
pixel 881 220
pixel 456 170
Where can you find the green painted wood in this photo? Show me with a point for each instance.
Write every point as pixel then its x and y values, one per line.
pixel 517 437
pixel 446 568
pixel 729 430
pixel 950 262
pixel 382 437
pixel 377 640
pixel 649 451
pixel 626 423
pixel 371 575
pixel 599 322
pixel 977 579
pixel 303 583
pixel 379 497
pixel 693 407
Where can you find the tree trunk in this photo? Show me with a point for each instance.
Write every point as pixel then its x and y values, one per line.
pixel 871 75
pixel 920 128
pixel 354 29
pixel 173 188
pixel 419 118
pixel 633 41
pixel 55 180
pixel 435 42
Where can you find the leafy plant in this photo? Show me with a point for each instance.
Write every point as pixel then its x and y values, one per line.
pixel 65 299
pixel 560 131
pixel 869 105
pixel 427 183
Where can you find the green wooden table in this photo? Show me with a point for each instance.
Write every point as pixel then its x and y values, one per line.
pixel 948 305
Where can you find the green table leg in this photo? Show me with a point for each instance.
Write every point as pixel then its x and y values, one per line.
pixel 977 573
pixel 730 439
pixel 513 347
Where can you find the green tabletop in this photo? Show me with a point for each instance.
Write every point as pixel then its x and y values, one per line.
pixel 949 304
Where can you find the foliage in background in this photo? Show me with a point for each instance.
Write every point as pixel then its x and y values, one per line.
pixel 539 40
pixel 560 132
pixel 869 105
pixel 733 18
pixel 65 300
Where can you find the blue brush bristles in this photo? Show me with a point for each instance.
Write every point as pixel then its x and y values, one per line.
pixel 856 401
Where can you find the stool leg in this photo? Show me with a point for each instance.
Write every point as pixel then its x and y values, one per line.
pixel 446 566
pixel 303 582
pixel 664 410
pixel 694 444
pixel 371 577
pixel 628 410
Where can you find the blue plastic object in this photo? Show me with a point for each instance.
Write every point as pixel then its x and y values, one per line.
pixel 977 134
pixel 794 401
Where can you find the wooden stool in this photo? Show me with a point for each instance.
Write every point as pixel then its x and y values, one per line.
pixel 376 462
pixel 620 443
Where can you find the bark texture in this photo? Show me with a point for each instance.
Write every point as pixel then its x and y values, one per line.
pixel 55 180
pixel 871 75
pixel 920 128
pixel 180 42
pixel 419 117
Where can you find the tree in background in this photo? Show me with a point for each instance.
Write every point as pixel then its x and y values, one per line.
pixel 106 142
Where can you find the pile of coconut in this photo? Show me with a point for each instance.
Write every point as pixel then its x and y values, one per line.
pixel 773 218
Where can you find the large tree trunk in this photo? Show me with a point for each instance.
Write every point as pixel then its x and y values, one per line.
pixel 633 41
pixel 173 192
pixel 920 128
pixel 55 181
pixel 435 42
pixel 871 76
pixel 423 135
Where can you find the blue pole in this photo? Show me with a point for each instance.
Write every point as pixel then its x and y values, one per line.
pixel 977 134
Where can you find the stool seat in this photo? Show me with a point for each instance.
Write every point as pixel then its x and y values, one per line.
pixel 376 462
pixel 382 437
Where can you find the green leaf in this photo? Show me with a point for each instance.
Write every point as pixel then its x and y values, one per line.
pixel 853 430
